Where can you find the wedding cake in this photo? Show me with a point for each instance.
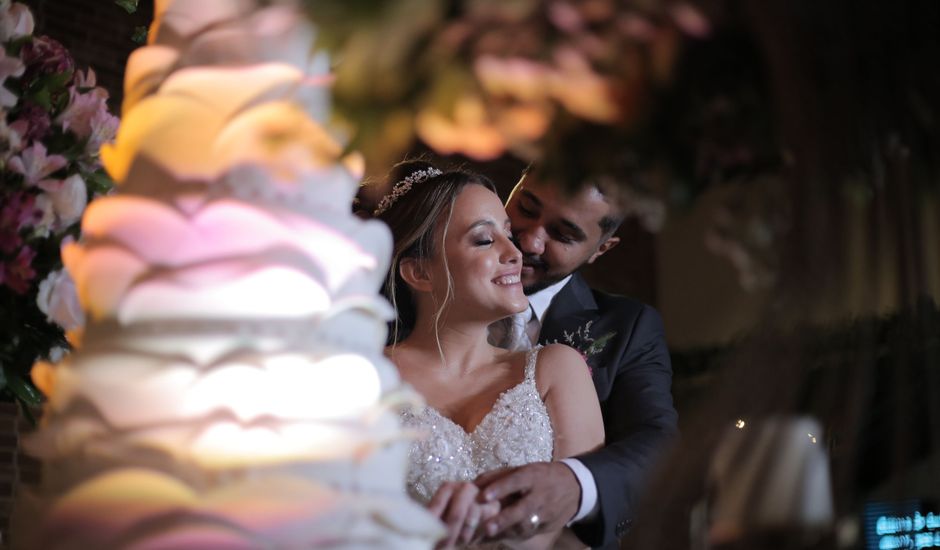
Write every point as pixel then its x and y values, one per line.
pixel 229 390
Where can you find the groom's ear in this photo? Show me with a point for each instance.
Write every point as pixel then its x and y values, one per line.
pixel 415 273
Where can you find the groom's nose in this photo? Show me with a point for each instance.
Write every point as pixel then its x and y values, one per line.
pixel 531 241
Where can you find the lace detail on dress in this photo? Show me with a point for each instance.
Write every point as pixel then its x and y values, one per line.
pixel 516 431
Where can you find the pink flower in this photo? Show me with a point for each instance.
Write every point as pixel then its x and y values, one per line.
pixel 18 273
pixel 85 80
pixel 104 127
pixel 34 164
pixel 690 20
pixel 82 109
pixel 58 300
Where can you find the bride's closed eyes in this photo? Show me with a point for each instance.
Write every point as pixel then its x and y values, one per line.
pixel 486 237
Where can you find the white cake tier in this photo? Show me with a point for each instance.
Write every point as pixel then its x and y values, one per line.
pixel 143 260
pixel 203 121
pixel 347 504
pixel 288 386
pixel 217 441
pixel 228 33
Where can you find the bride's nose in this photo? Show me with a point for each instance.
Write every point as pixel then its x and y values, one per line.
pixel 510 253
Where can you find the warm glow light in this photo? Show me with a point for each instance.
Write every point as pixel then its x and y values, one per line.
pixel 227 292
pixel 161 235
pixel 176 129
pixel 288 386
pixel 739 424
pixel 273 510
pixel 469 132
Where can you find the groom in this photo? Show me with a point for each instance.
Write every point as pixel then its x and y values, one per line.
pixel 624 344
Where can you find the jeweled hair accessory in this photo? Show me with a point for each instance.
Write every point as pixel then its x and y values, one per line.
pixel 402 187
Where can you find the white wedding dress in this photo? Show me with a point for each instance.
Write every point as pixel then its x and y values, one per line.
pixel 516 431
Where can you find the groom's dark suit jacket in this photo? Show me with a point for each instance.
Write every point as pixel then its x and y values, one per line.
pixel 633 378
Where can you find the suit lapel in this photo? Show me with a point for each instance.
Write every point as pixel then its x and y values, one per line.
pixel 573 307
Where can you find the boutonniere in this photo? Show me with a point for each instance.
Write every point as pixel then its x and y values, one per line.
pixel 587 345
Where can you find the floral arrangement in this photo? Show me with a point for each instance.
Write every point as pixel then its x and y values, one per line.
pixel 568 84
pixel 625 93
pixel 54 120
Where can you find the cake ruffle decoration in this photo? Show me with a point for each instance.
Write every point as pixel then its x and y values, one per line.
pixel 229 390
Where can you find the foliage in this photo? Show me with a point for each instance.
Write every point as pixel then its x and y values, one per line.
pixel 485 78
pixel 54 119
pixel 647 98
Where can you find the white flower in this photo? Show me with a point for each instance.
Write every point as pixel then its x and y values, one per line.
pixel 9 66
pixel 10 140
pixel 16 21
pixel 46 222
pixel 69 198
pixel 58 300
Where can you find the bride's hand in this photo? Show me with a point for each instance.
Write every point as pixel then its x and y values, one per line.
pixel 457 506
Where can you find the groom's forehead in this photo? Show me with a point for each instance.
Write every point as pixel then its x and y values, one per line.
pixel 585 201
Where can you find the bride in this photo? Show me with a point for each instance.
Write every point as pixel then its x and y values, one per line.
pixel 454 271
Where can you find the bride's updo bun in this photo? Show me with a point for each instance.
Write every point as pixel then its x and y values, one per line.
pixel 419 199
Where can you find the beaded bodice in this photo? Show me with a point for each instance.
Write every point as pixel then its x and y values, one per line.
pixel 516 431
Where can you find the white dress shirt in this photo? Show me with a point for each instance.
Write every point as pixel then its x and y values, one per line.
pixel 540 302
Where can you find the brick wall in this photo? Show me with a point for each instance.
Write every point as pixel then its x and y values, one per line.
pixel 16 468
pixel 97 32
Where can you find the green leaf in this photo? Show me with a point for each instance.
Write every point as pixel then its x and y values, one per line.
pixel 140 35
pixel 98 182
pixel 24 391
pixel 130 6
pixel 42 98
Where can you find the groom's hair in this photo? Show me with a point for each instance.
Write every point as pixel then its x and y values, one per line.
pixel 418 220
pixel 613 195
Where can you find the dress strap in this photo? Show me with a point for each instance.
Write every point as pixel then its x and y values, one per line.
pixel 531 358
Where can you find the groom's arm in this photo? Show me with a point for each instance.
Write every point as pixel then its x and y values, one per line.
pixel 640 420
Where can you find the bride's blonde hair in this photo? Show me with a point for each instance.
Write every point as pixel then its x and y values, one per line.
pixel 414 219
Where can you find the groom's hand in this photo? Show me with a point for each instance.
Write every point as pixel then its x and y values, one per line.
pixel 546 492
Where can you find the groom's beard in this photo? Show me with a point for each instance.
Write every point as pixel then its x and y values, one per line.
pixel 540 268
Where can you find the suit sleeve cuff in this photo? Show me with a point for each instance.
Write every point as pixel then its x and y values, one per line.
pixel 588 504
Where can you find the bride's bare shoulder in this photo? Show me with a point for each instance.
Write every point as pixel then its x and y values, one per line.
pixel 558 363
pixel 555 353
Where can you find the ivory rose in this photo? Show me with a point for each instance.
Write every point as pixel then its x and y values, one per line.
pixel 58 300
